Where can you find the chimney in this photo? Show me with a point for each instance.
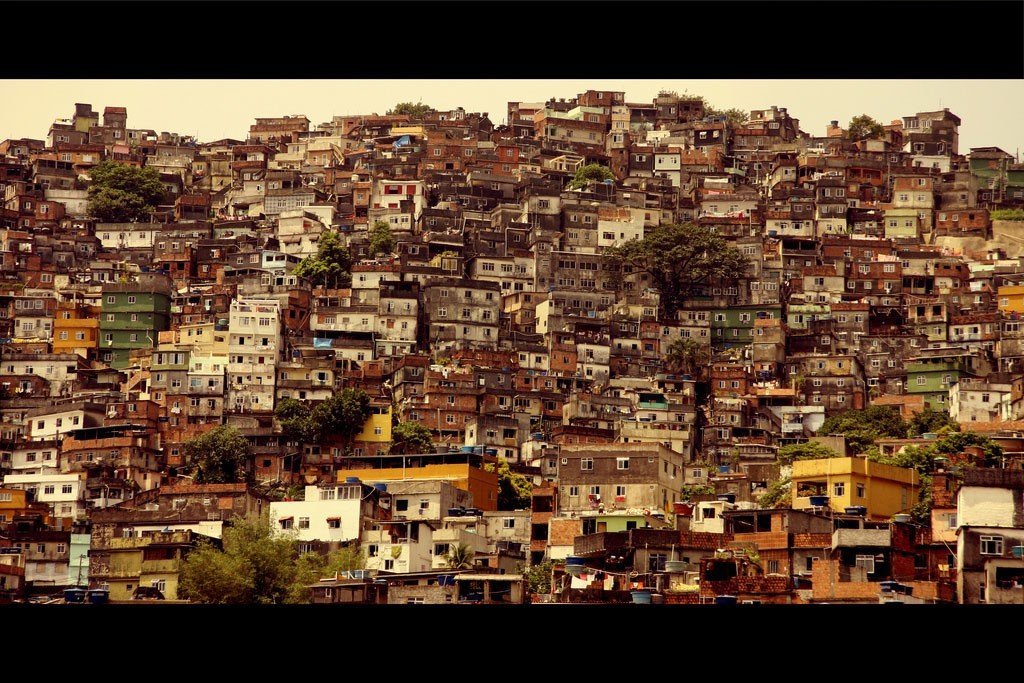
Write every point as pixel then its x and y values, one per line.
pixel 835 124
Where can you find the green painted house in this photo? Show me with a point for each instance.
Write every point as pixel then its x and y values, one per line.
pixel 932 377
pixel 732 327
pixel 133 315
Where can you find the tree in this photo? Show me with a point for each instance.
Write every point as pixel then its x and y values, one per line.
pixel 863 427
pixel 121 193
pixel 343 414
pixel 809 450
pixel 678 258
pixel 460 556
pixel 411 437
pixel 778 495
pixel 413 110
pixel 332 265
pixel 311 567
pixel 381 241
pixel 218 456
pixel 687 356
pixel 689 492
pixel 514 489
pixel 538 577
pixel 863 127
pixel 585 174
pixel 296 420
pixel 256 566
pixel 931 421
pixel 735 117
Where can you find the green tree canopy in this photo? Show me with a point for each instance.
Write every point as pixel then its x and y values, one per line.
pixel 863 427
pixel 687 356
pixel 809 450
pixel 255 567
pixel 777 495
pixel 514 489
pixel 121 193
pixel 332 265
pixel 931 421
pixel 678 258
pixel 411 437
pixel 590 172
pixel 343 414
pixel 296 420
pixel 863 127
pixel 381 240
pixel 218 456
pixel 311 567
pixel 415 110
pixel 538 577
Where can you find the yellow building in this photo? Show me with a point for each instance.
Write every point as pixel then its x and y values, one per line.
pixel 14 502
pixel 377 429
pixel 849 482
pixel 468 475
pixel 1011 298
pixel 76 330
pixel 124 564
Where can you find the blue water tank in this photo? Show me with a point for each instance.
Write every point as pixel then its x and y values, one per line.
pixel 466 449
pixel 819 501
pixel 381 487
pixel 723 469
pixel 727 497
pixel 641 597
pixel 725 599
pixel 572 560
pixel 353 480
pixel 491 451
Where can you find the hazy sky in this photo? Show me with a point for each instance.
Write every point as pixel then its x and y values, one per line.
pixel 213 109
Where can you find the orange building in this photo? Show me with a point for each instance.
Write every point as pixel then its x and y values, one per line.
pixel 76 329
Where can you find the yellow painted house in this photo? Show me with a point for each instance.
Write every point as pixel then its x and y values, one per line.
pixel 376 432
pixel 1011 298
pixel 849 482
pixel 76 330
pixel 463 471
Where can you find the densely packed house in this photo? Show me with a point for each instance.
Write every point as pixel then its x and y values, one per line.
pixel 467 276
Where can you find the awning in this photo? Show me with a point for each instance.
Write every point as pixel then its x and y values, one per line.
pixel 334 519
pixel 285 519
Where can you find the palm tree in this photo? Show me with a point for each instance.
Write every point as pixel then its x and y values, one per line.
pixel 460 556
pixel 686 356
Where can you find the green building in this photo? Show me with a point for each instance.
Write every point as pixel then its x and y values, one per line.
pixel 133 315
pixel 932 377
pixel 732 327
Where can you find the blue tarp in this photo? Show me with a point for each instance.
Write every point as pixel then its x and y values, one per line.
pixel 403 141
pixel 321 343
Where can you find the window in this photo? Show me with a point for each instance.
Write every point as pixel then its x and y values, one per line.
pixel 389 565
pixel 574 491
pixel 48 489
pixel 586 464
pixel 508 523
pixel 334 523
pixel 303 522
pixel 622 463
pixel 951 521
pixel 773 566
pixel 286 522
pixel 66 488
pixel 991 545
pixel 867 562
pixel 839 489
pixel 860 490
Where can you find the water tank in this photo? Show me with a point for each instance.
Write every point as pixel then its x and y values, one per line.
pixel 466 449
pixel 725 599
pixel 381 487
pixel 353 480
pixel 456 512
pixel 491 451
pixel 723 469
pixel 859 510
pixel 641 597
pixel 727 497
pixel 573 561
pixel 929 435
pixel 902 519
pixel 819 501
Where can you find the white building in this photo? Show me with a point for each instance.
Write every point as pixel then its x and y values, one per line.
pixel 332 514
pixel 254 347
pixel 64 493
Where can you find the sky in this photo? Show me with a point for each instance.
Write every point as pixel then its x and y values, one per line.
pixel 214 109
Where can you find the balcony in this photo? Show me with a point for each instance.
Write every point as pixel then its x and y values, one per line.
pixel 160 566
pixel 597 544
pixel 860 538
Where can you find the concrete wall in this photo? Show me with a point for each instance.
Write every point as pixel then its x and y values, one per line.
pixel 985 506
